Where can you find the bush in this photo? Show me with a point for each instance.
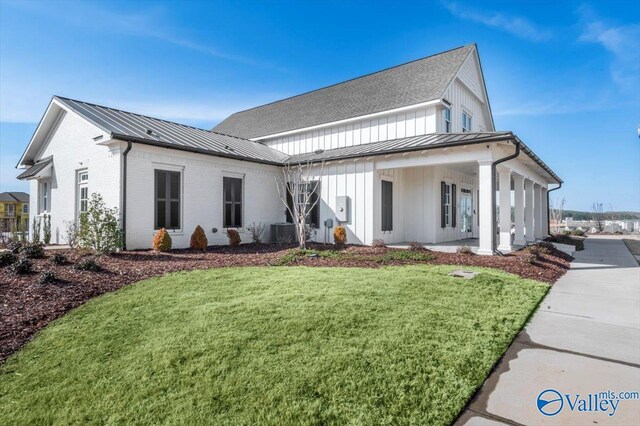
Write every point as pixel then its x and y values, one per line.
pixel 530 258
pixel 407 255
pixel 47 229
pixel 340 235
pixel 162 240
pixel 234 237
pixel 15 247
pixel 35 236
pixel 22 266
pixel 415 246
pixel 100 227
pixel 199 239
pixel 33 250
pixel 256 230
pixel 89 265
pixel 578 232
pixel 46 277
pixel 71 230
pixel 58 259
pixel 566 232
pixel 464 250
pixel 378 243
pixel 7 258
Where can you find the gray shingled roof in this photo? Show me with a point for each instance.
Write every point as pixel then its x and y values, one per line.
pixel 417 143
pixel 153 131
pixel 14 197
pixel 408 84
pixel 35 169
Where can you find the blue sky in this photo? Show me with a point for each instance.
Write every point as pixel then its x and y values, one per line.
pixel 564 76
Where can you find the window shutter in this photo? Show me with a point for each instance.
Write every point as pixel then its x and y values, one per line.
pixel 289 203
pixel 387 206
pixel 315 211
pixel 453 206
pixel 442 203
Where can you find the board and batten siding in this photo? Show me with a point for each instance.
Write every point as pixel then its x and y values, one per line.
pixel 419 121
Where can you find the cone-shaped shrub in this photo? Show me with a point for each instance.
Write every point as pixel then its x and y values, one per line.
pixel 340 235
pixel 199 239
pixel 162 240
pixel 234 237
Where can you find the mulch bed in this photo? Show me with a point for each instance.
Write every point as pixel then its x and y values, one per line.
pixel 27 306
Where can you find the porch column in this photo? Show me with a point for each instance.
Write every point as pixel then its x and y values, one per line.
pixel 537 212
pixel 504 176
pixel 485 214
pixel 518 200
pixel 545 212
pixel 528 211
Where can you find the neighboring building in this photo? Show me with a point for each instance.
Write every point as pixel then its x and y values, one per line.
pixel 14 211
pixel 410 154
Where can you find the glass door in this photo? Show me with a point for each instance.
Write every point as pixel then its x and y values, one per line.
pixel 466 213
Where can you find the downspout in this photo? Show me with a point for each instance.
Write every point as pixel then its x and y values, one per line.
pixel 124 195
pixel 493 194
pixel 549 209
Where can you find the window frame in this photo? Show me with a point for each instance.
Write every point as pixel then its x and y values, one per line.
pixel 467 115
pixel 25 209
pixel 446 117
pixel 168 199
pixel 234 203
pixel 45 196
pixel 82 182
pixel 314 212
pixel 11 209
pixel 447 204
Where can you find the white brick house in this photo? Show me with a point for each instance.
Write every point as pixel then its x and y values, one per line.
pixel 411 151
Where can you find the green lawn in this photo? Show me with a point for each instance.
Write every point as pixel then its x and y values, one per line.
pixel 277 345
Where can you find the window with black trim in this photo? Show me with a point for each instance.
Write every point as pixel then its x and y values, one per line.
pixel 167 199
pixel 387 206
pixel 232 197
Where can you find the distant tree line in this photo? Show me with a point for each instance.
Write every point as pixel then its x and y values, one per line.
pixel 599 215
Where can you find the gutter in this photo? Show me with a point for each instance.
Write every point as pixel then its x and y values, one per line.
pixel 549 209
pixel 124 194
pixel 493 195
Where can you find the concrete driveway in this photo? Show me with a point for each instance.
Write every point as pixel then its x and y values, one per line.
pixel 584 339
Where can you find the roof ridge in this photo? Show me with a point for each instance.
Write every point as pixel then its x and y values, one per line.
pixel 352 79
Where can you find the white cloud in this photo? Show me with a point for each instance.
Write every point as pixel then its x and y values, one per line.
pixel 622 42
pixel 515 25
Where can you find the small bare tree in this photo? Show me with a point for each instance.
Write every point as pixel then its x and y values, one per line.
pixel 299 185
pixel 598 215
pixel 556 209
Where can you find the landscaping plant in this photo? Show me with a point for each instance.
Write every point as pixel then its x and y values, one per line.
pixel 7 258
pixel 198 239
pixel 15 247
pixel 47 229
pixel 58 259
pixel 415 246
pixel 36 230
pixel 340 235
pixel 234 237
pixel 100 227
pixel 378 243
pixel 46 277
pixel 21 266
pixel 71 230
pixel 33 250
pixel 256 230
pixel 89 265
pixel 464 250
pixel 162 240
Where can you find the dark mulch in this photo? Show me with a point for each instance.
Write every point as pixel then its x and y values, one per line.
pixel 28 306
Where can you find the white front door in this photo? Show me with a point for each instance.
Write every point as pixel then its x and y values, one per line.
pixel 466 213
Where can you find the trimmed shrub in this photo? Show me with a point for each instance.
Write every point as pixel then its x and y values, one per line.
pixel 464 250
pixel 100 227
pixel 234 237
pixel 89 265
pixel 378 243
pixel 199 239
pixel 7 258
pixel 566 232
pixel 256 230
pixel 162 240
pixel 47 229
pixel 578 232
pixel 407 256
pixel 340 235
pixel 415 246
pixel 15 247
pixel 530 258
pixel 22 266
pixel 58 259
pixel 33 250
pixel 46 277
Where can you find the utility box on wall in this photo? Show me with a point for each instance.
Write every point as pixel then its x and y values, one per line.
pixel 342 208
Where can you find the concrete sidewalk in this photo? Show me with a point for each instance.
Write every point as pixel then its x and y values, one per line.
pixel 584 339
